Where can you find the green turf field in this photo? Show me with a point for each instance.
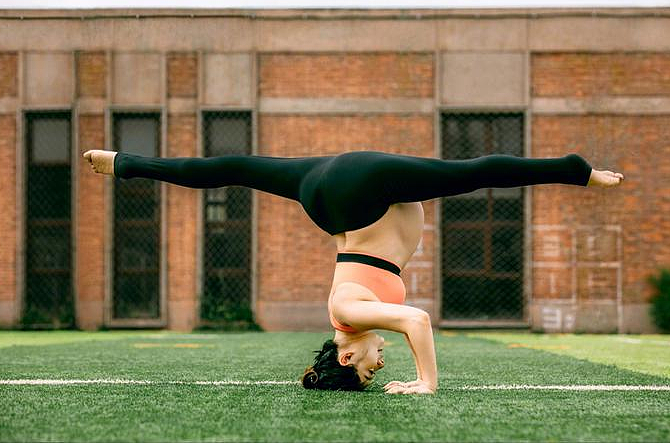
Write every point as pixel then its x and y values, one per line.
pixel 464 409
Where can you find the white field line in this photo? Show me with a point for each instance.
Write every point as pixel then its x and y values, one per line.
pixel 144 382
pixel 567 388
pixel 43 382
pixel 638 341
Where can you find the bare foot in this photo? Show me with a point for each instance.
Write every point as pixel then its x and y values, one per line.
pixel 605 179
pixel 101 162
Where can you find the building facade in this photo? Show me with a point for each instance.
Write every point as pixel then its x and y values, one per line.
pixel 79 249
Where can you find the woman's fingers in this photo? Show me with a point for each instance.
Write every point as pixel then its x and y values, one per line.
pixel 397 389
pixel 393 384
pixel 414 387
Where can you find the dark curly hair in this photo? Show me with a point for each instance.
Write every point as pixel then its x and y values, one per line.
pixel 328 373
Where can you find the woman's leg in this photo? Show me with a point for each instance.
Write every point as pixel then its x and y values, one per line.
pixel 279 176
pixel 398 178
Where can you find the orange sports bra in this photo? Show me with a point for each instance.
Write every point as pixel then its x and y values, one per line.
pixel 377 274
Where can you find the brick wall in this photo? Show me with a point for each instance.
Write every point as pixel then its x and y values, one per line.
pixel 592 74
pixel 92 74
pixel 8 77
pixel 590 246
pixel 8 232
pixel 384 75
pixel 182 74
pixel 284 230
pixel 592 235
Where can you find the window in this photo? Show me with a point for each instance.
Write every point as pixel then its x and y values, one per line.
pixel 48 260
pixel 482 232
pixel 226 295
pixel 137 221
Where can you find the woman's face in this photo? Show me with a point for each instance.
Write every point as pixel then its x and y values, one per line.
pixel 367 356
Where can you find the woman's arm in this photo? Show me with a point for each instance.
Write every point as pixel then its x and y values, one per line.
pixel 409 343
pixel 414 323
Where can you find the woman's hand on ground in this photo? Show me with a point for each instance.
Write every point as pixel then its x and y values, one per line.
pixel 412 387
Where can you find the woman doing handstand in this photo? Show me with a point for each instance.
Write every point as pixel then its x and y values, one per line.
pixel 370 202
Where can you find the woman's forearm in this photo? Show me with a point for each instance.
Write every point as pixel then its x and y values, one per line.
pixel 416 362
pixel 419 333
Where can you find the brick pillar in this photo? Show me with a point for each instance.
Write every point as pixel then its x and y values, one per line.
pixel 182 203
pixel 8 231
pixel 8 227
pixel 90 228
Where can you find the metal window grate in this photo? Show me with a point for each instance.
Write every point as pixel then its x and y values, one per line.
pixel 226 293
pixel 48 299
pixel 482 232
pixel 137 221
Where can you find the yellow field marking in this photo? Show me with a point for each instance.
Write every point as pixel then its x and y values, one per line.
pixel 176 345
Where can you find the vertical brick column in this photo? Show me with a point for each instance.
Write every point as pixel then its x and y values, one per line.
pixel 8 226
pixel 90 229
pixel 182 203
pixel 8 232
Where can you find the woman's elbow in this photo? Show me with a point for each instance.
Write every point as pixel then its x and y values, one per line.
pixel 420 320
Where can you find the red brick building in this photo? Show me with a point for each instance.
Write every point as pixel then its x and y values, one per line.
pixel 80 249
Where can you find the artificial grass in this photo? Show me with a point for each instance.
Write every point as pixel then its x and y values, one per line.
pixel 168 412
pixel 648 354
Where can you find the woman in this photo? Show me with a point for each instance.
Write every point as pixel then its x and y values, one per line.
pixel 370 203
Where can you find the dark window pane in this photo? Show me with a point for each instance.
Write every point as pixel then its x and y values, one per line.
pixel 49 191
pixel 507 248
pixel 136 223
pixel 50 140
pixel 482 232
pixel 226 293
pixel 464 249
pixel 461 208
pixel 136 134
pixel 136 296
pixel 48 270
pixel 46 248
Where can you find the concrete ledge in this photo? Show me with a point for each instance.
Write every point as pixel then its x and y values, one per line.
pixel 502 34
pixel 293 316
pixel 637 319
pixel 542 29
pixel 599 34
pixel 345 105
pixel 345 35
pixel 601 105
pixel 549 316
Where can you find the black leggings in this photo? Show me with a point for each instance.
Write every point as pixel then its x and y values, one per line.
pixel 353 190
